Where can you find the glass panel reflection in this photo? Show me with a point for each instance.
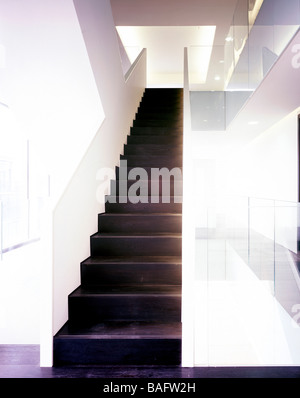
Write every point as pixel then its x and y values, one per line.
pixel 248 284
pixel 259 32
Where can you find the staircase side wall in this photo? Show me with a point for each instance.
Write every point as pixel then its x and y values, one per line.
pixel 75 216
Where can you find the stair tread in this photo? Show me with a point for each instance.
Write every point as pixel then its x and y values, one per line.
pixel 136 234
pixel 125 290
pixel 160 156
pixel 171 146
pixel 173 130
pixel 141 215
pixel 132 259
pixel 123 330
pixel 172 197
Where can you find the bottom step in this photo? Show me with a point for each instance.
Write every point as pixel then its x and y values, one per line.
pixel 126 343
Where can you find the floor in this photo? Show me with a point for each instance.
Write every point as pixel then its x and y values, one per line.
pixel 22 361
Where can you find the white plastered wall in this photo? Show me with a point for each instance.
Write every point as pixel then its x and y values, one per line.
pixel 48 85
pixel 75 215
pixel 61 76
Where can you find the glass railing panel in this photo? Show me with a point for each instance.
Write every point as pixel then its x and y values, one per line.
pixel 208 110
pixel 248 281
pixel 258 38
pixel 234 101
pixel 286 250
pixel 229 62
pixel 214 110
pixel 254 7
pixel 207 67
pixel 261 257
pixel 286 22
pixel 227 239
pixel 240 28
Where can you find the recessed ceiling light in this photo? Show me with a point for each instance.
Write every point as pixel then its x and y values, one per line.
pixel 221 61
pixel 229 38
pixel 217 77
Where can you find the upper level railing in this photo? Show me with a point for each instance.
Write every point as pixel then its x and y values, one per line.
pixel 259 33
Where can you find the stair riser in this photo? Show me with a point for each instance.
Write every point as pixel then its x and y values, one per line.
pixel 140 246
pixel 117 351
pixel 158 123
pixel 158 188
pixel 151 308
pixel 167 100
pixel 127 274
pixel 155 115
pixel 156 130
pixel 148 172
pixel 157 109
pixel 153 161
pixel 153 150
pixel 161 102
pixel 140 223
pixel 154 139
pixel 143 208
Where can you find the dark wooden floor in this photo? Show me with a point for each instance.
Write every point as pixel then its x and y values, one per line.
pixel 22 361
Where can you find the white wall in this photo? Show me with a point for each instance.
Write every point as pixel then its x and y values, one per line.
pixel 75 216
pixel 47 82
pixel 20 273
pixel 68 94
pixel 268 166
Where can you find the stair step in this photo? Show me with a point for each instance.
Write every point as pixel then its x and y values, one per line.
pixel 172 106
pixel 124 303
pixel 129 173
pixel 155 187
pixel 121 244
pixel 155 139
pixel 163 91
pixel 111 343
pixel 111 206
pixel 156 130
pixel 128 270
pixel 155 114
pixel 157 123
pixel 140 222
pixel 158 161
pixel 162 97
pixel 153 149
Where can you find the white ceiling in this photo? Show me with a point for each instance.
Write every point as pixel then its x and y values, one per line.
pixel 165 27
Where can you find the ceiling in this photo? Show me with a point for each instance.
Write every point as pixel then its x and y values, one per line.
pixel 165 27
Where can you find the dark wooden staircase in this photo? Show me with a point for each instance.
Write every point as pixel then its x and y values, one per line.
pixel 127 309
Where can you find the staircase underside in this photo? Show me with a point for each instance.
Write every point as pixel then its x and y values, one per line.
pixel 127 309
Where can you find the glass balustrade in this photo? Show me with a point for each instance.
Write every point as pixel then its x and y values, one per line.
pixel 224 75
pixel 247 284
